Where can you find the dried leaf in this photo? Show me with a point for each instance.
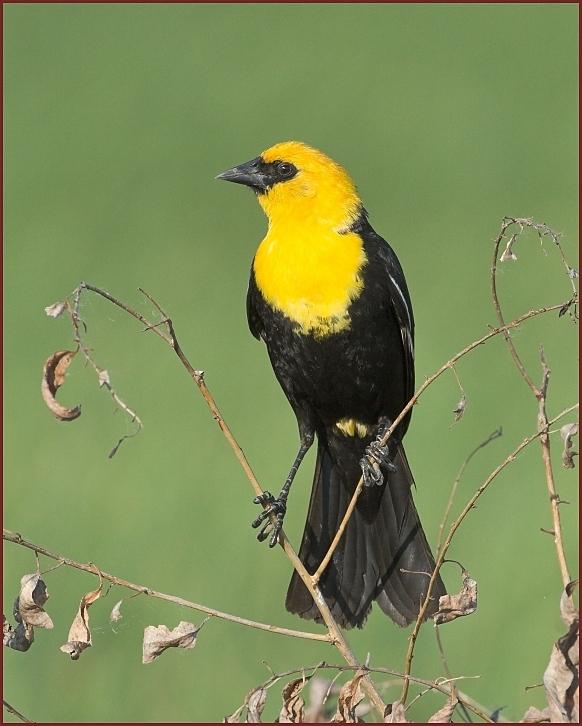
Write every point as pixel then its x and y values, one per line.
pixel 562 674
pixel 508 253
pixel 33 596
pixel 115 614
pixel 349 697
pixel 397 714
pixel 572 273
pixel 534 715
pixel 293 705
pixel 55 370
pixel 445 714
pixel 255 704
pixel 158 639
pixel 567 433
pixel 79 634
pixel 452 607
pixel 56 309
pixel 460 409
pixel 19 638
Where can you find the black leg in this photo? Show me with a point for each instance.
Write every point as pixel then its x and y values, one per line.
pixel 278 506
pixel 377 455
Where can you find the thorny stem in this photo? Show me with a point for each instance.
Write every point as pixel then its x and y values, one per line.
pixel 454 527
pixel 429 381
pixel 67 561
pixel 335 634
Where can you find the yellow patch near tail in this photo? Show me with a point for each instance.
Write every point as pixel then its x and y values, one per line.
pixel 350 427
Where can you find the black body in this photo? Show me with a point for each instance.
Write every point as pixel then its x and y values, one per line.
pixel 365 373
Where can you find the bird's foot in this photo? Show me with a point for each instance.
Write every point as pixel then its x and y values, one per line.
pixel 276 507
pixel 375 456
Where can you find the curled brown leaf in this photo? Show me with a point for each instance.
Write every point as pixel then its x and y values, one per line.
pixel 452 607
pixel 293 705
pixel 567 433
pixel 79 634
pixel 255 704
pixel 158 639
pixel 349 697
pixel 33 596
pixel 54 372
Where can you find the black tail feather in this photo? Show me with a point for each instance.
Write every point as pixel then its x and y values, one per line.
pixel 383 554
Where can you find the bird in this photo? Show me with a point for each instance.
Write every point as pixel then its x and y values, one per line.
pixel 328 297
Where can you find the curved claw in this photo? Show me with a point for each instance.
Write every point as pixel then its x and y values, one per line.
pixel 276 507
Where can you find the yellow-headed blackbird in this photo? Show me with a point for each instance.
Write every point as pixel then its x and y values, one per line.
pixel 328 297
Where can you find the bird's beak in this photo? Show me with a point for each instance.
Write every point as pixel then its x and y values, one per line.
pixel 249 174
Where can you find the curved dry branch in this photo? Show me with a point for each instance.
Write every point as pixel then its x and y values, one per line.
pixel 145 590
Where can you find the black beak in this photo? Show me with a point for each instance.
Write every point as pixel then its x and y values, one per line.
pixel 249 174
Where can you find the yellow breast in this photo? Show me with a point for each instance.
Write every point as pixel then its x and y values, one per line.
pixel 311 274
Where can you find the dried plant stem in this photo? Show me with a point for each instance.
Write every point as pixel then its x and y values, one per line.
pixel 428 382
pixel 543 428
pixel 16 713
pixel 446 544
pixel 68 562
pixel 444 686
pixel 539 393
pixel 494 435
pixel 335 634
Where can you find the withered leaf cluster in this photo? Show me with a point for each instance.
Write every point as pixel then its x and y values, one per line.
pixel 350 703
pixel 29 613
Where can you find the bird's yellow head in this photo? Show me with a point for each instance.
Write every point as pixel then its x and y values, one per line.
pixel 297 184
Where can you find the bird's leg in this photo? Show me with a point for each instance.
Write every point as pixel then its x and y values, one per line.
pixel 375 455
pixel 278 506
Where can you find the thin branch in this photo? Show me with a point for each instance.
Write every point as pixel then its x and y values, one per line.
pixel 142 589
pixel 335 633
pixel 428 382
pixel 492 436
pixel 102 374
pixel 543 428
pixel 16 713
pixel 454 527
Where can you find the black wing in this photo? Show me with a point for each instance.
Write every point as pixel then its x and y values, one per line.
pixel 398 294
pixel 253 317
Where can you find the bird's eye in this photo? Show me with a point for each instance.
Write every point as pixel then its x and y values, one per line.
pixel 286 169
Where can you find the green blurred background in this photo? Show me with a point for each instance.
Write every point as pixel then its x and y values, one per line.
pixel 117 119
